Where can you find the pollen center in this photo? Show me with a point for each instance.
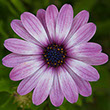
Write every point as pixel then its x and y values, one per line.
pixel 54 55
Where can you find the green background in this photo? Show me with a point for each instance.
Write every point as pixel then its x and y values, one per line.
pixel 99 14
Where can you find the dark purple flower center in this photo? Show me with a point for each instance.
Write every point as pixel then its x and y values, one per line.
pixel 54 55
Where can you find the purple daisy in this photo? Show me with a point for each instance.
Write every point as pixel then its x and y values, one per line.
pixel 55 56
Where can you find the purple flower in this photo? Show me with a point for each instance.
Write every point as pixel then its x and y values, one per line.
pixel 55 56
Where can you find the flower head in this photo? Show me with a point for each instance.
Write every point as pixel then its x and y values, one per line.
pixel 55 56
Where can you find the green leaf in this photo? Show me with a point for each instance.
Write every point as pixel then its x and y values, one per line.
pixel 84 5
pixel 79 102
pixel 89 99
pixel 5 85
pixel 19 5
pixel 7 5
pixel 67 105
pixel 2 32
pixel 39 107
pixel 103 27
pixel 52 106
pixel 4 96
pixel 9 105
pixel 102 86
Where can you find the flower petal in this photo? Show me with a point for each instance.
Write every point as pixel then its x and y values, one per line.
pixel 56 95
pixel 19 29
pixel 25 69
pixel 13 59
pixel 22 47
pixel 51 15
pixel 41 16
pixel 84 87
pixel 97 59
pixel 84 50
pixel 43 87
pixel 83 70
pixel 64 22
pixel 82 35
pixel 29 83
pixel 79 20
pixel 34 27
pixel 68 85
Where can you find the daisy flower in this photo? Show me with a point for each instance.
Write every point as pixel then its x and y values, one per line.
pixel 55 57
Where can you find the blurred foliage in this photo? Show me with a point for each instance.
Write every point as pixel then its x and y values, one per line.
pixel 99 14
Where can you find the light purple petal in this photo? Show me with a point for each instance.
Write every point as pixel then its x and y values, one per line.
pixel 43 87
pixel 82 35
pixel 13 59
pixel 29 83
pixel 64 22
pixel 84 50
pixel 79 20
pixel 97 59
pixel 19 29
pixel 51 15
pixel 41 16
pixel 83 70
pixel 25 69
pixel 56 95
pixel 68 85
pixel 34 27
pixel 22 47
pixel 84 87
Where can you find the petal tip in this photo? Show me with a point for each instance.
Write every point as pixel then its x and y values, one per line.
pixel 97 77
pixel 3 62
pixel 87 92
pixel 34 101
pixel 56 105
pixel 74 100
pixel 20 92
pixel 12 22
pixel 13 77
pixel 52 5
pixel 5 43
pixel 67 6
pixel 39 12
pixel 92 25
pixel 86 95
pixel 85 13
pixel 103 59
pixel 106 58
pixel 24 14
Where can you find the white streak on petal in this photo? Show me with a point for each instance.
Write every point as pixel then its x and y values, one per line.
pixel 64 22
pixel 56 95
pixel 34 27
pixel 43 87
pixel 68 85
pixel 83 70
